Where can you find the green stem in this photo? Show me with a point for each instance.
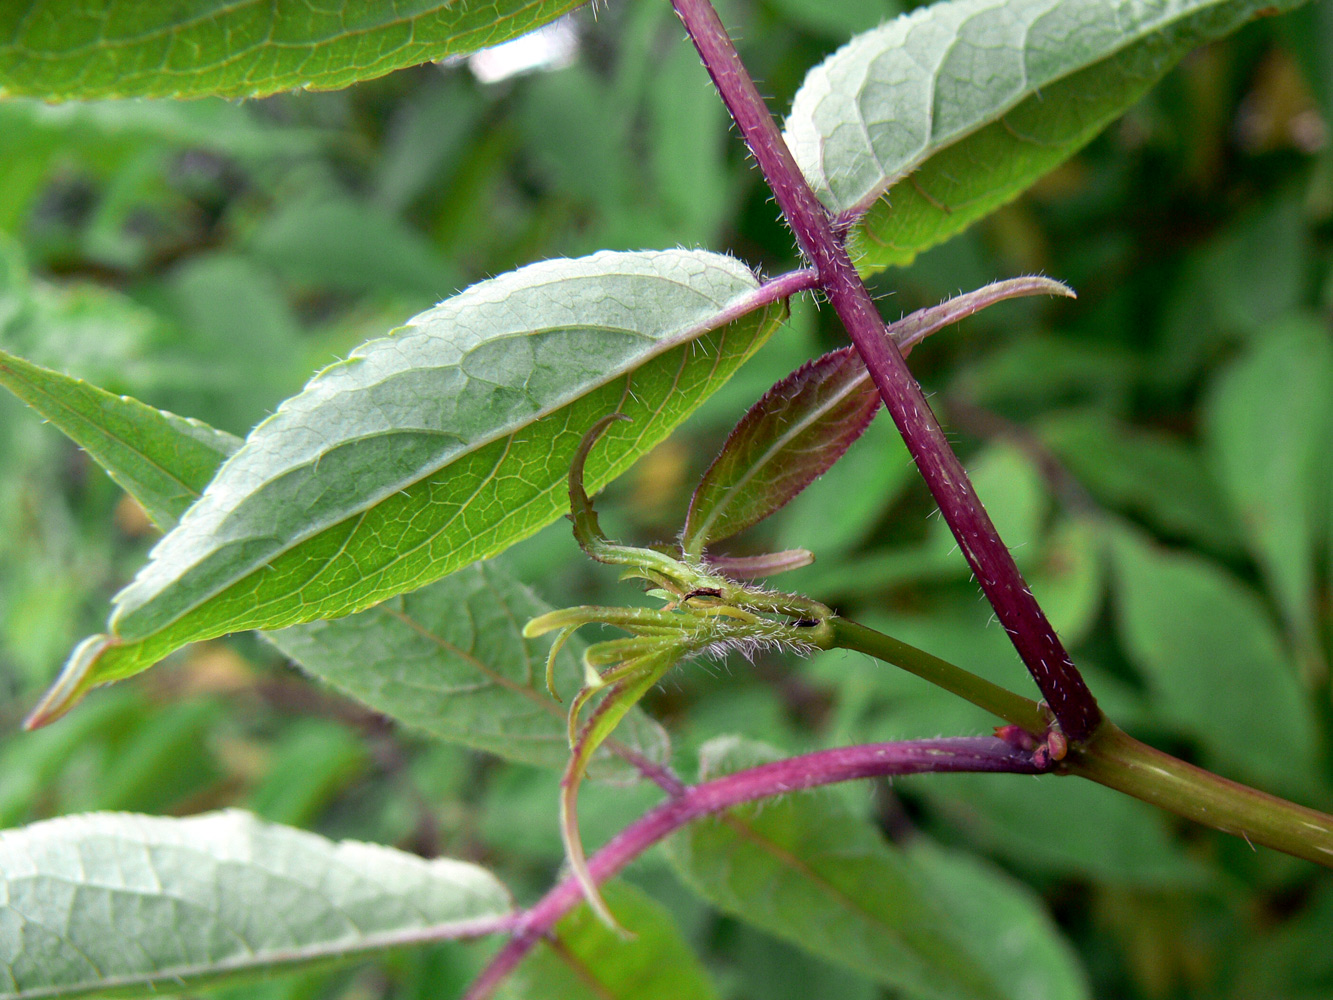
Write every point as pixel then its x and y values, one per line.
pixel 1115 759
pixel 1014 708
pixel 1119 761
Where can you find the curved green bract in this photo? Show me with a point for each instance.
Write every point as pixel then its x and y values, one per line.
pixel 933 120
pixel 82 49
pixel 147 905
pixel 439 445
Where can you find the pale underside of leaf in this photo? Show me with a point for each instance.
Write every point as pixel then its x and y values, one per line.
pixel 449 659
pixel 997 92
pixel 81 49
pixel 478 370
pixel 144 904
pixel 438 446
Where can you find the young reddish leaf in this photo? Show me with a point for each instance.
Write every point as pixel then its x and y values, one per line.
pixel 790 437
pixel 765 564
pixel 808 420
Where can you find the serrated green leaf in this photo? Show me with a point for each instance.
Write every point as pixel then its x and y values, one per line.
pixel 1269 420
pixel 785 441
pixel 450 659
pixel 100 48
pixel 806 870
pixel 958 107
pixel 587 960
pixel 162 460
pixel 1214 662
pixel 146 905
pixel 437 446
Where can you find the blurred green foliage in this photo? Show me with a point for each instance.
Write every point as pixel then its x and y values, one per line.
pixel 1157 453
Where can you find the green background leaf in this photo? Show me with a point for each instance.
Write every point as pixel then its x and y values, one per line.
pixel 99 48
pixel 1214 662
pixel 589 961
pixel 1007 925
pixel 807 870
pixel 162 460
pixel 451 660
pixel 1270 451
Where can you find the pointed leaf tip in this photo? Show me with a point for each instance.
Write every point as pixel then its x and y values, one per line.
pixel 917 326
pixel 76 680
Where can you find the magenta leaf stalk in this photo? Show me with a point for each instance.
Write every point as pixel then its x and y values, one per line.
pixel 824 767
pixel 1073 705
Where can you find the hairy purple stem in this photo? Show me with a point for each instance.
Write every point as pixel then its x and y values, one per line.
pixel 783 286
pixel 825 767
pixel 659 774
pixel 1061 685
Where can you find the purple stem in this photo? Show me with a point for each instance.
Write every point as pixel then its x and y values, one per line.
pixel 825 767
pixel 1062 686
pixel 782 287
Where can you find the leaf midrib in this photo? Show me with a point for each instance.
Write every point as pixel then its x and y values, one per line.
pixel 335 949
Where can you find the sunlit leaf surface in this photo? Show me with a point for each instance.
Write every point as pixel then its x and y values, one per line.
pixel 437 446
pixel 102 48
